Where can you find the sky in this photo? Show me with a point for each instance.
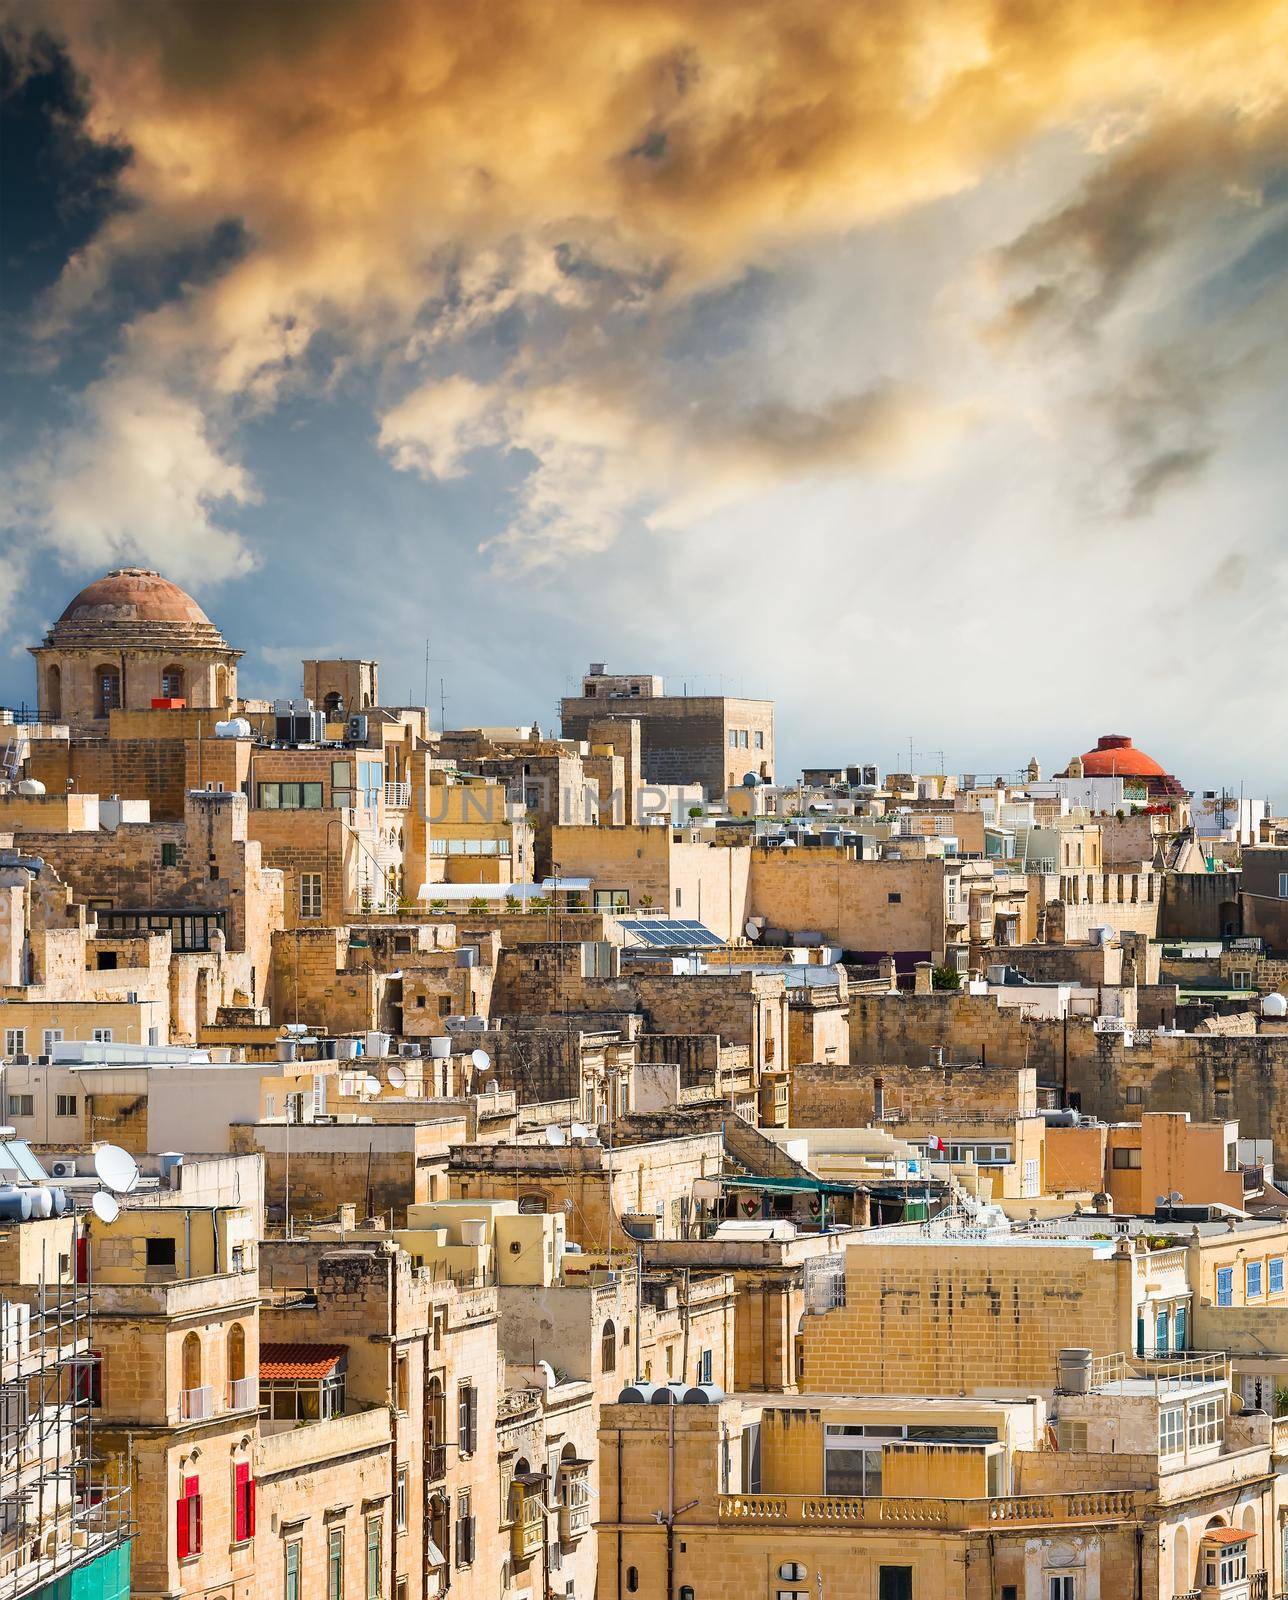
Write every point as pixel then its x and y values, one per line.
pixel 920 364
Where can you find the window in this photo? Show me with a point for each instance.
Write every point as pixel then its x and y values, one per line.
pixel 169 855
pixel 1252 1280
pixel 1283 885
pixel 733 738
pixel 760 740
pixel 335 1564
pixel 310 894
pixel 1162 1330
pixel 400 1500
pixel 375 1562
pixel 1172 1431
pixel 1242 978
pixel 467 1419
pixel 705 1364
pixel 1225 1286
pixel 1135 1094
pixel 894 898
pixel 1071 1435
pixel 49 1039
pixel 610 899
pixel 464 1530
pixel 1276 1266
pixel 402 1382
pixel 608 1347
pixel 632 1580
pixel 894 1583
pixel 102 1036
pixel 290 796
pixel 172 683
pixel 89 1378
pixel 159 1253
pixel 1204 1423
pixel 15 1042
pixel 1180 1328
pixel 1062 1586
pixel 64 1105
pixel 1126 1160
pixel 792 1571
pixel 188 1520
pixel 22 1105
pixel 243 1503
pixel 292 1585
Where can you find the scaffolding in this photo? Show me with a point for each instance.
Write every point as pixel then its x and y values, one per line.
pixel 57 1511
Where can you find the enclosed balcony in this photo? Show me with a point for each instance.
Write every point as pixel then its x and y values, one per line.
pixel 528 1516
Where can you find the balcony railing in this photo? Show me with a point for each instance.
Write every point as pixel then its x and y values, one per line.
pixel 435 1462
pixel 880 1510
pixel 398 794
pixel 197 1405
pixel 243 1393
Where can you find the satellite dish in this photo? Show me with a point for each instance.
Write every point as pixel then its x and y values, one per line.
pixel 1176 1197
pixel 116 1168
pixel 554 1134
pixel 371 1085
pixel 397 1077
pixel 578 1130
pixel 752 930
pixel 1160 1199
pixel 106 1207
pixel 481 1059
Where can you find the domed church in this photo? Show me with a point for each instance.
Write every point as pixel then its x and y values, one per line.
pixel 132 639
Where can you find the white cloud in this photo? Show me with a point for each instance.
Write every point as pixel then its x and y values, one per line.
pixel 139 478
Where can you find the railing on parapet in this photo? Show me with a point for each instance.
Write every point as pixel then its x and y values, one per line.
pixel 1095 1506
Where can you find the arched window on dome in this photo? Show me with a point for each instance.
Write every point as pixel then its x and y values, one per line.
pixel 54 693
pixel 172 683
pixel 107 689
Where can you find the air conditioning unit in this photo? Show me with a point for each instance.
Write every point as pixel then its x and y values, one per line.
pixel 62 1169
pixel 356 730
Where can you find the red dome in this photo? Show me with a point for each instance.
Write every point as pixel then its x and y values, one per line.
pixel 1115 756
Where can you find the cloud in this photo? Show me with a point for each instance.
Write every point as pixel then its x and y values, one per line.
pixel 138 477
pixel 599 455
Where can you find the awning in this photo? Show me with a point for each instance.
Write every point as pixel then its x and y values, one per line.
pixel 278 1362
pixel 792 1185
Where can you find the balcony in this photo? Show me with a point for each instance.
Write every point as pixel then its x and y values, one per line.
pixel 435 1462
pixel 528 1530
pixel 197 1405
pixel 574 1501
pixel 243 1394
pixel 842 1511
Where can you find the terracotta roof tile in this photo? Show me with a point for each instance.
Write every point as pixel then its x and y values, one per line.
pixel 278 1361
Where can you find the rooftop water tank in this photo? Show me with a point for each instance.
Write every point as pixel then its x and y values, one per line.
pixel 15 1203
pixel 31 786
pixel 234 728
pixel 637 1394
pixel 1274 1005
pixel 703 1394
pixel 1075 1371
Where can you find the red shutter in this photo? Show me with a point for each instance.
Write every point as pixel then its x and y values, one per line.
pixel 197 1537
pixel 188 1541
pixel 82 1259
pixel 243 1503
pixel 181 1528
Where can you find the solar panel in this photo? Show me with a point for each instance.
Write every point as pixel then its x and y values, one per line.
pixel 664 933
pixel 24 1160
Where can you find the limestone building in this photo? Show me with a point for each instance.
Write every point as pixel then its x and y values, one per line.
pixel 127 640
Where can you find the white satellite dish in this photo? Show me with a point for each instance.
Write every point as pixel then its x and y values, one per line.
pixel 1175 1197
pixel 481 1059
pixel 578 1130
pixel 752 930
pixel 554 1134
pixel 116 1168
pixel 397 1077
pixel 371 1085
pixel 106 1207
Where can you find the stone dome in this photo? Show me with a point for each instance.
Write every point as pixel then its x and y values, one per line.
pixel 135 606
pixel 133 594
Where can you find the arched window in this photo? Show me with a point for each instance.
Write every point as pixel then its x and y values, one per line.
pixel 608 1347
pixel 236 1353
pixel 172 682
pixel 221 686
pixel 332 703
pixel 107 689
pixel 54 693
pixel 632 1579
pixel 192 1362
pixel 1182 1566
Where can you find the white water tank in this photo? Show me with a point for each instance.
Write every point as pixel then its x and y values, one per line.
pixel 234 728
pixel 1274 1005
pixel 31 786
